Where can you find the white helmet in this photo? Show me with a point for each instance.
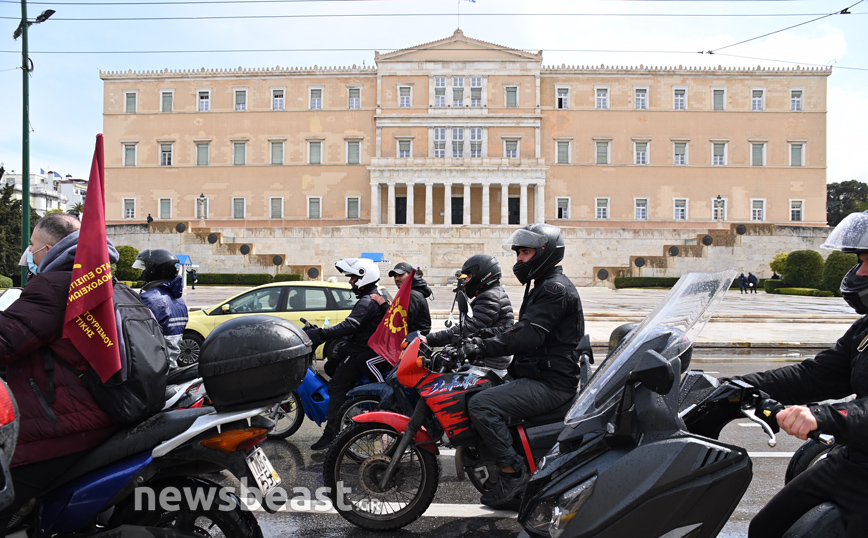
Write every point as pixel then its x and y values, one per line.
pixel 365 269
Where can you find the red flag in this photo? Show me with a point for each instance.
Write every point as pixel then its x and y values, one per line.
pixel 90 314
pixel 387 339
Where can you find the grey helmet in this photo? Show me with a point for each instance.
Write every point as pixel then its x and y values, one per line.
pixel 549 245
pixel 851 236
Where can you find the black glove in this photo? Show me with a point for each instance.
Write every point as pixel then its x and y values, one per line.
pixel 472 349
pixel 315 335
pixel 487 332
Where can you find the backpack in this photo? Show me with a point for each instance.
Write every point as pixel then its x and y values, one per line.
pixel 138 390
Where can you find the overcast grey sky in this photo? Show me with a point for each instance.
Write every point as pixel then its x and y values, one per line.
pixel 70 49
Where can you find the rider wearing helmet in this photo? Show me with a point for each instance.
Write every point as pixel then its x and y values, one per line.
pixel 162 291
pixel 490 303
pixel 545 362
pixel 357 357
pixel 418 314
pixel 835 373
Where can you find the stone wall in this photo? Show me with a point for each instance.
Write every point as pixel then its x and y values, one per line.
pixel 440 250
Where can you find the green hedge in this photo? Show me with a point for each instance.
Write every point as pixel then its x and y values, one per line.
pixel 772 286
pixel 240 279
pixel 837 265
pixel 123 269
pixel 133 283
pixel 805 291
pixel 5 282
pixel 287 277
pixel 804 269
pixel 644 282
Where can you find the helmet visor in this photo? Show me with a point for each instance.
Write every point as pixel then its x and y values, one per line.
pixel 525 239
pixel 138 264
pixel 850 235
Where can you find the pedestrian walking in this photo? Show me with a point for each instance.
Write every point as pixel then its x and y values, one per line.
pixel 752 282
pixel 742 282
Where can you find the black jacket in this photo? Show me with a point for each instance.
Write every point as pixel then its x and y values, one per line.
pixel 834 373
pixel 491 308
pixel 359 325
pixel 550 325
pixel 419 316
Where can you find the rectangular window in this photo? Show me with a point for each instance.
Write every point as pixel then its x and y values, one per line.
pixel 404 96
pixel 756 99
pixel 457 92
pixel 316 99
pixel 201 208
pixel 240 100
pixel 563 100
pixel 476 92
pixel 204 101
pixel 354 151
pixel 757 210
pixel 563 153
pixel 129 208
pixel 797 155
pixel 130 102
pixel 602 208
pixel 512 97
pixel 165 154
pixel 641 99
pixel 602 153
pixel 680 99
pixel 563 208
pixel 641 153
pixel 314 152
pixel 166 101
pixel 718 98
pixel 276 209
pixel 314 207
pixel 718 211
pixel 757 154
pixel 404 149
pixel 203 154
pixel 680 153
pixel 602 98
pixel 440 92
pixel 718 154
pixel 796 210
pixel 355 98
pixel 680 205
pixel 353 207
pixel 796 100
pixel 129 154
pixel 239 205
pixel 278 101
pixel 476 142
pixel 165 208
pixel 239 153
pixel 277 152
pixel 440 142
pixel 641 211
pixel 511 149
pixel 457 143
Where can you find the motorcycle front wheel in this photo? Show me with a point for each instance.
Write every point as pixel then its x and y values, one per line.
pixel 287 416
pixel 356 462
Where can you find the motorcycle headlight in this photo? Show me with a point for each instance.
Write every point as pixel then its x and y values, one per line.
pixel 553 514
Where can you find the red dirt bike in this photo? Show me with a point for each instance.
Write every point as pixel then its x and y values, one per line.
pixel 383 469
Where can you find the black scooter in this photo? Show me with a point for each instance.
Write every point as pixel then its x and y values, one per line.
pixel 639 455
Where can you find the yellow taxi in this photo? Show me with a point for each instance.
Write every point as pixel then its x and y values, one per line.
pixel 314 301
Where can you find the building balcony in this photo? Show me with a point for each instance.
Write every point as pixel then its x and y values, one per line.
pixel 449 162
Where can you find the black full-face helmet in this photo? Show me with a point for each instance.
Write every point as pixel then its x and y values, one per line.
pixel 851 236
pixel 157 264
pixel 485 270
pixel 549 245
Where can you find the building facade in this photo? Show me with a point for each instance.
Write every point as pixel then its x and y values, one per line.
pixel 46 193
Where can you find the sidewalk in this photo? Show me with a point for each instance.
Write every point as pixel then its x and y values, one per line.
pixel 750 321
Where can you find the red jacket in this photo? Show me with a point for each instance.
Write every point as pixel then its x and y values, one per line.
pixel 74 422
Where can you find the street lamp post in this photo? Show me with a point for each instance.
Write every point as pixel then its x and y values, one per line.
pixel 26 69
pixel 719 203
pixel 200 205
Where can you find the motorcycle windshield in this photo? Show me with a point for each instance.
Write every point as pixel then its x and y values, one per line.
pixel 669 329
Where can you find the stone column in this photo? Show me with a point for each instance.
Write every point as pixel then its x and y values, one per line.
pixel 538 142
pixel 375 203
pixel 379 141
pixel 522 218
pixel 447 204
pixel 429 202
pixel 410 204
pixel 504 204
pixel 466 220
pixel 539 212
pixel 390 218
pixel 486 204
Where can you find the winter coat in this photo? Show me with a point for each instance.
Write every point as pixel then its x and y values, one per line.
pixel 491 308
pixel 359 326
pixel 166 302
pixel 752 280
pixel 550 325
pixel 834 373
pixel 742 281
pixel 30 326
pixel 418 315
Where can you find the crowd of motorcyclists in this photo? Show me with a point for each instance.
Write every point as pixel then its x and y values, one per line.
pixel 537 354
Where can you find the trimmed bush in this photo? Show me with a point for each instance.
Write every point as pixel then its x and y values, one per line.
pixel 287 277
pixel 772 286
pixel 805 292
pixel 644 282
pixel 123 269
pixel 824 293
pixel 233 279
pixel 779 263
pixel 254 279
pixel 5 282
pixel 804 269
pixel 837 265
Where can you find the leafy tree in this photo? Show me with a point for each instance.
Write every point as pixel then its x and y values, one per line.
pixel 837 265
pixel 77 209
pixel 804 269
pixel 123 270
pixel 779 263
pixel 10 233
pixel 845 198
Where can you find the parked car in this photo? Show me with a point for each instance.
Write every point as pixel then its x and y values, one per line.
pixel 313 301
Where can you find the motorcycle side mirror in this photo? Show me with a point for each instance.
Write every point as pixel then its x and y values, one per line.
pixel 463 303
pixel 619 334
pixel 654 372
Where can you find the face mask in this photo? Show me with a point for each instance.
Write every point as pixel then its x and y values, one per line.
pixel 27 259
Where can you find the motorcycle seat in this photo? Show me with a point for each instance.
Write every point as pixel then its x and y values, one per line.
pixel 555 415
pixel 136 438
pixel 182 375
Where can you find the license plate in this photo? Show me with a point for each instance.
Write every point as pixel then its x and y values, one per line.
pixel 264 474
